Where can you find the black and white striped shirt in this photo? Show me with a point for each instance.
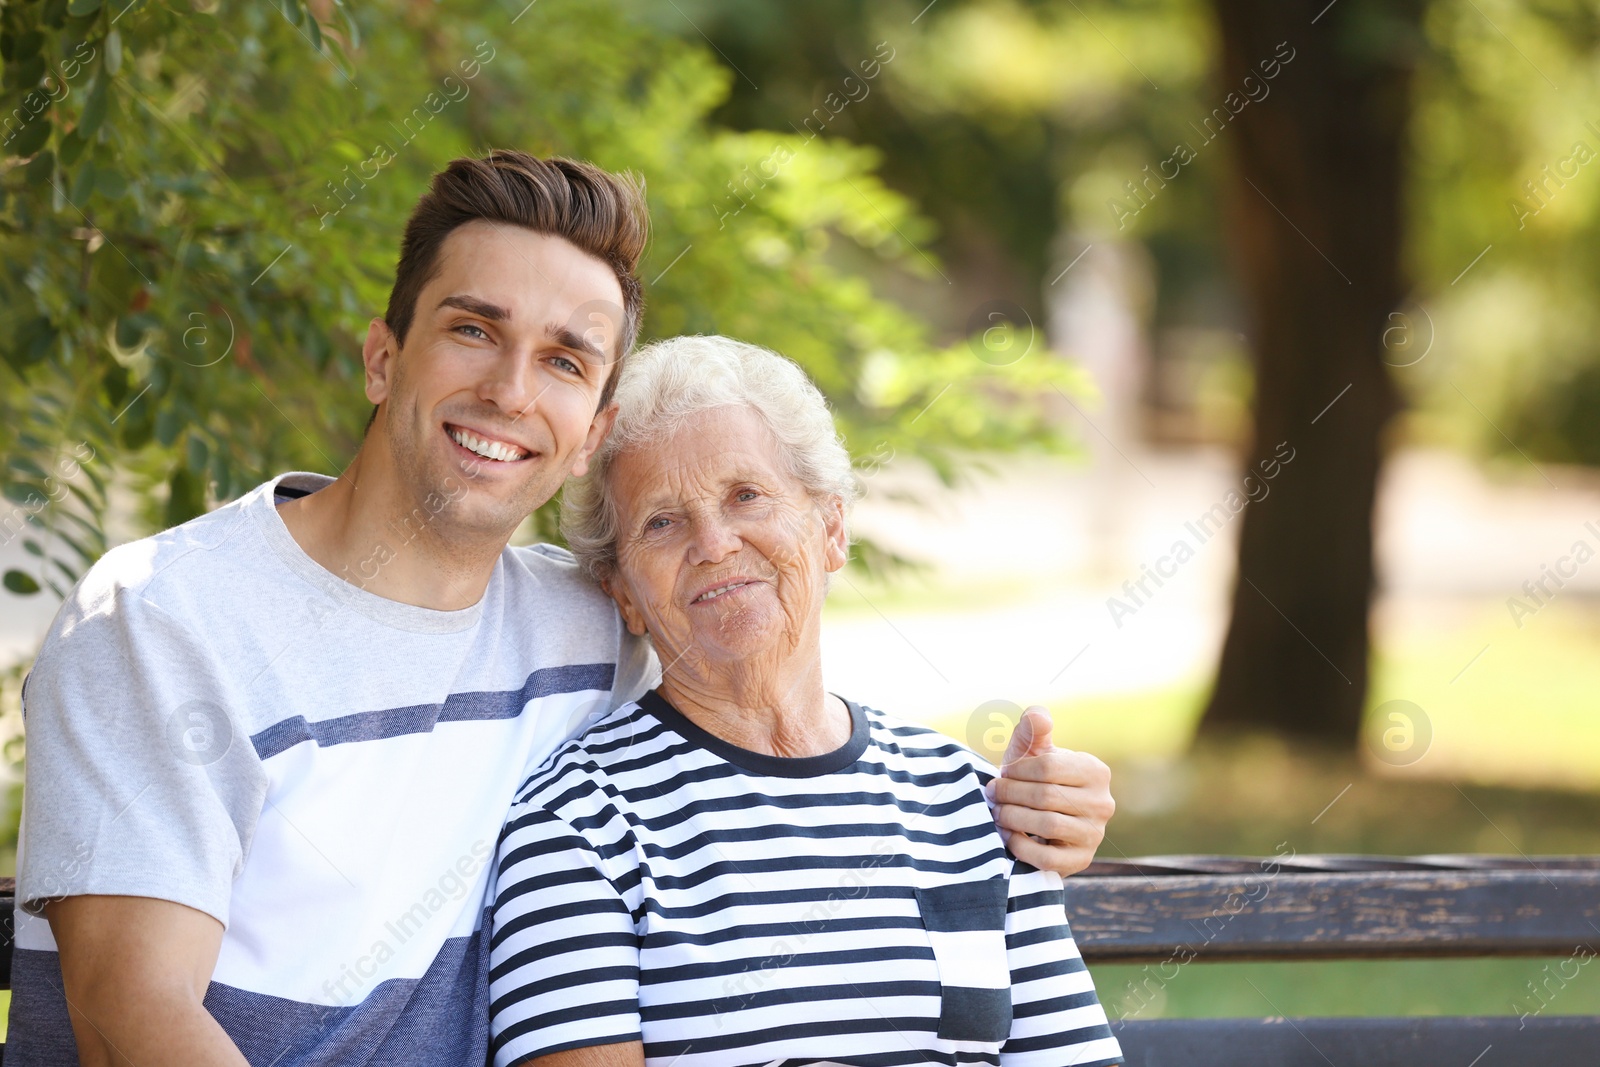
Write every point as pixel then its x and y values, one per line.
pixel 656 883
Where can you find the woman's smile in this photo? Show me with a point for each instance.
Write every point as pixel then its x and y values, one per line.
pixel 726 589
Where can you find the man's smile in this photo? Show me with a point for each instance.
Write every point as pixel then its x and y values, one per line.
pixel 485 447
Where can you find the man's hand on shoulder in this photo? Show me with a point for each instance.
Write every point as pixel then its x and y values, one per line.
pixel 1051 804
pixel 136 972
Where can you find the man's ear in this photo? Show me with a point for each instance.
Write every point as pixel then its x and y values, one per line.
pixel 378 356
pixel 631 616
pixel 604 419
pixel 837 545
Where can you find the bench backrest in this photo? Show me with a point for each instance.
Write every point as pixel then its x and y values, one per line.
pixel 1171 911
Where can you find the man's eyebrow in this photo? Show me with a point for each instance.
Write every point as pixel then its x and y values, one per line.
pixel 567 337
pixel 477 306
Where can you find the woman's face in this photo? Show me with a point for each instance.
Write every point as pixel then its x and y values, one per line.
pixel 722 555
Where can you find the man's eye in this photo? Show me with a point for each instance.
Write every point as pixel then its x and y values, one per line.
pixel 478 332
pixel 568 365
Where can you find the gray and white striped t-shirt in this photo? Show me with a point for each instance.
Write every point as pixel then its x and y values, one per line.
pixel 218 721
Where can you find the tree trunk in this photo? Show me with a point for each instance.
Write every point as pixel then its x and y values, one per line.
pixel 1314 210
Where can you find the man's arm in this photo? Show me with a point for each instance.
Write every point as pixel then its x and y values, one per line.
pixel 141 796
pixel 622 1054
pixel 1051 804
pixel 136 971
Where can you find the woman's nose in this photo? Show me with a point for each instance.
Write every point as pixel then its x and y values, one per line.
pixel 714 540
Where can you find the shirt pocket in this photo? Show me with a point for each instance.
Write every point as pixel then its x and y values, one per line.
pixel 966 926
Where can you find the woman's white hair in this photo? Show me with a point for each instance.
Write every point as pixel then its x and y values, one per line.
pixel 665 383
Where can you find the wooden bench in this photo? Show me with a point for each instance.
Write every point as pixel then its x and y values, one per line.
pixel 1173 912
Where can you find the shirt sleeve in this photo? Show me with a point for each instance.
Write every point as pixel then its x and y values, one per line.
pixel 638 672
pixel 564 952
pixel 141 779
pixel 1056 1017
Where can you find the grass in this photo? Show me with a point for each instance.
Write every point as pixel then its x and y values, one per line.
pixel 1508 705
pixel 1367 987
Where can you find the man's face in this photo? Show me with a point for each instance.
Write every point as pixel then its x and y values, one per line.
pixel 491 401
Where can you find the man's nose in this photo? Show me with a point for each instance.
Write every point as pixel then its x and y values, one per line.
pixel 510 384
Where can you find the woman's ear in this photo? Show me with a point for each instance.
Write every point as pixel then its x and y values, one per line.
pixel 632 617
pixel 837 548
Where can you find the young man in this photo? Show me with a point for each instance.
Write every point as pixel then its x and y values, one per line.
pixel 270 750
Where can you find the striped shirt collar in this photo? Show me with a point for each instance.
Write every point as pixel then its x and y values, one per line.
pixel 759 762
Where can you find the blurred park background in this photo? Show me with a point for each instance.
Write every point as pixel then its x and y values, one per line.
pixel 1224 376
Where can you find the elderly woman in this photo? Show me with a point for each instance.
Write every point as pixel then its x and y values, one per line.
pixel 743 868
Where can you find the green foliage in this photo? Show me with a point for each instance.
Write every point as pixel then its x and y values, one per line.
pixel 1007 121
pixel 200 208
pixel 1505 228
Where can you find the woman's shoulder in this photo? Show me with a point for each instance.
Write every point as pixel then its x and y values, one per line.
pixel 917 741
pixel 587 762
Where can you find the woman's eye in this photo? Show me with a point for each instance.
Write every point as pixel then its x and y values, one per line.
pixel 744 496
pixel 660 522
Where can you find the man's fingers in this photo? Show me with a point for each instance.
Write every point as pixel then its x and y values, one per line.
pixel 1063 765
pixel 1053 826
pixel 1034 735
pixel 1064 860
pixel 1089 802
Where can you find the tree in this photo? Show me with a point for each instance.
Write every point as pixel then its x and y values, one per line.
pixel 1317 232
pixel 986 116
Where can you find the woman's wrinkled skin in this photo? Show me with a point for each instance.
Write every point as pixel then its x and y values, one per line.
pixel 723 556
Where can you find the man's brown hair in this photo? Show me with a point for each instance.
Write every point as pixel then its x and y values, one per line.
pixel 601 213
